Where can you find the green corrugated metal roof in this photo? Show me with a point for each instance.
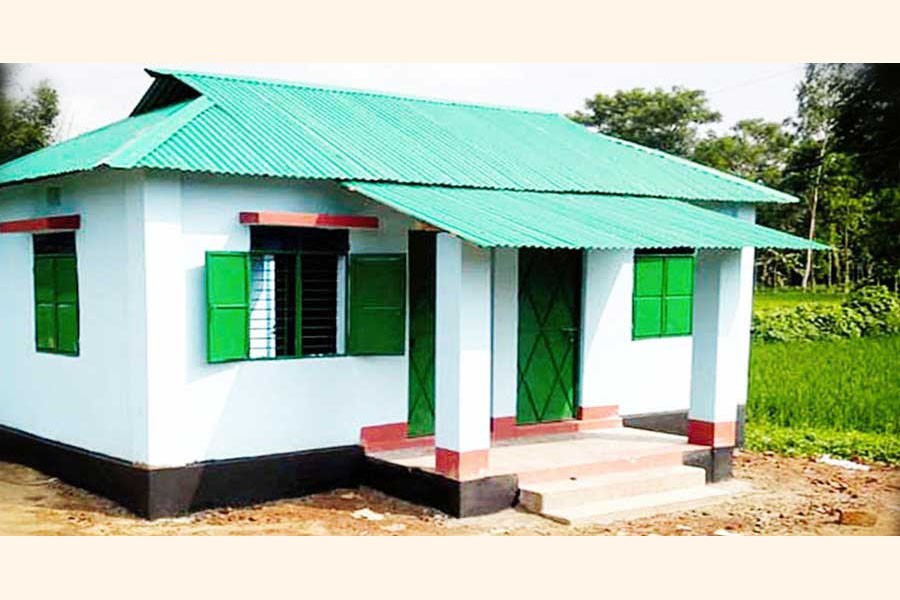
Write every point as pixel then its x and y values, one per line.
pixel 98 148
pixel 502 218
pixel 257 127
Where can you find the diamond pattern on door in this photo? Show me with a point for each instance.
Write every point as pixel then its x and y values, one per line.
pixel 549 316
pixel 421 333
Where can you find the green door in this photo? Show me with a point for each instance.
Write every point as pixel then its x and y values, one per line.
pixel 421 332
pixel 549 316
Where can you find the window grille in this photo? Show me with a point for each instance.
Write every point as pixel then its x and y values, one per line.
pixel 273 313
pixel 319 303
pixel 290 317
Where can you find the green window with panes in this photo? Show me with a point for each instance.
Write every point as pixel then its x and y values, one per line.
pixel 663 295
pixel 298 293
pixel 56 293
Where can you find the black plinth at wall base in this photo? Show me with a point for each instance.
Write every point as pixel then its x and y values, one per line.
pixel 715 461
pixel 675 422
pixel 456 498
pixel 245 481
pixel 155 493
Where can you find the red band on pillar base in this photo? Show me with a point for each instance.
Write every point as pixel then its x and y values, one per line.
pixel 718 435
pixel 460 465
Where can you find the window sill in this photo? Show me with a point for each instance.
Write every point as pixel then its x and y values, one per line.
pixel 635 338
pixel 58 353
pixel 307 357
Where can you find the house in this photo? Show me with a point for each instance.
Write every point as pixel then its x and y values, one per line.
pixel 253 289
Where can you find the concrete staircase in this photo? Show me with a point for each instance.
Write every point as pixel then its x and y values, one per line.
pixel 620 495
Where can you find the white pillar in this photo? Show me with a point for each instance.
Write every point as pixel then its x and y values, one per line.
pixel 462 358
pixel 505 339
pixel 606 333
pixel 721 340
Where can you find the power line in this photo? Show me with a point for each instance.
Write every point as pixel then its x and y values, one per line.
pixel 756 80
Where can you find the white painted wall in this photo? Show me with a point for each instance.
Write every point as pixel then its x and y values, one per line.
pixel 641 376
pixel 648 375
pixel 462 345
pixel 96 400
pixel 204 411
pixel 142 390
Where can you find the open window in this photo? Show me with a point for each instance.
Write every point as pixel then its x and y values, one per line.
pixel 297 294
pixel 292 296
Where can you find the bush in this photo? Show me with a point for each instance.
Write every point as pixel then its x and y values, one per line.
pixel 868 311
pixel 852 445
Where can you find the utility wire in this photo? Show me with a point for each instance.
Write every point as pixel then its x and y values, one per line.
pixel 756 80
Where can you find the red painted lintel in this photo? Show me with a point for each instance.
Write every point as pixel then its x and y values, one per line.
pixel 42 224
pixel 289 219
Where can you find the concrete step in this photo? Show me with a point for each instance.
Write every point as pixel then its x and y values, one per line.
pixel 636 507
pixel 547 496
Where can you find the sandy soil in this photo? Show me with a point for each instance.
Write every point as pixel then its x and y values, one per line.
pixel 789 497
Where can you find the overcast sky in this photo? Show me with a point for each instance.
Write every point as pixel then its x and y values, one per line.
pixel 93 95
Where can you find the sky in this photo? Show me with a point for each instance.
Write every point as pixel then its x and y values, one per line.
pixel 93 95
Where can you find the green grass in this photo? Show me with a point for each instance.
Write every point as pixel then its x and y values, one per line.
pixel 805 441
pixel 765 299
pixel 849 384
pixel 838 397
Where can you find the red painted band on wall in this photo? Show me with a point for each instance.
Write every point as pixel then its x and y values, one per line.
pixel 717 435
pixel 42 224
pixel 289 219
pixel 589 418
pixel 598 412
pixel 391 436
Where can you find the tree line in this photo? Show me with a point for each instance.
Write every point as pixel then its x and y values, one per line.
pixel 840 155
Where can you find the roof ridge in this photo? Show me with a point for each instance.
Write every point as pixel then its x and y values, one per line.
pixel 688 162
pixel 348 90
pixel 130 153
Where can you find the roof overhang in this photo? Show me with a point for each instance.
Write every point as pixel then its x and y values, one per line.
pixel 498 218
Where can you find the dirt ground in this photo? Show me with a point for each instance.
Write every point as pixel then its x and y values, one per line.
pixel 789 496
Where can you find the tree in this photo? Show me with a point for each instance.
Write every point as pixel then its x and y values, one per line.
pixel 817 101
pixel 661 119
pixel 867 123
pixel 867 127
pixel 29 123
pixel 754 149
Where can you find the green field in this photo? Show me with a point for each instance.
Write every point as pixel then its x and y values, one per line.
pixel 844 385
pixel 769 299
pixel 840 397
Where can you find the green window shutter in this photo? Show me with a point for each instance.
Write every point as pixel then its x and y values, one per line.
pixel 663 296
pixel 648 276
pixel 228 306
pixel 377 304
pixel 647 320
pixel 66 280
pixel 677 315
pixel 677 312
pixel 45 302
pixel 679 276
pixel 647 317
